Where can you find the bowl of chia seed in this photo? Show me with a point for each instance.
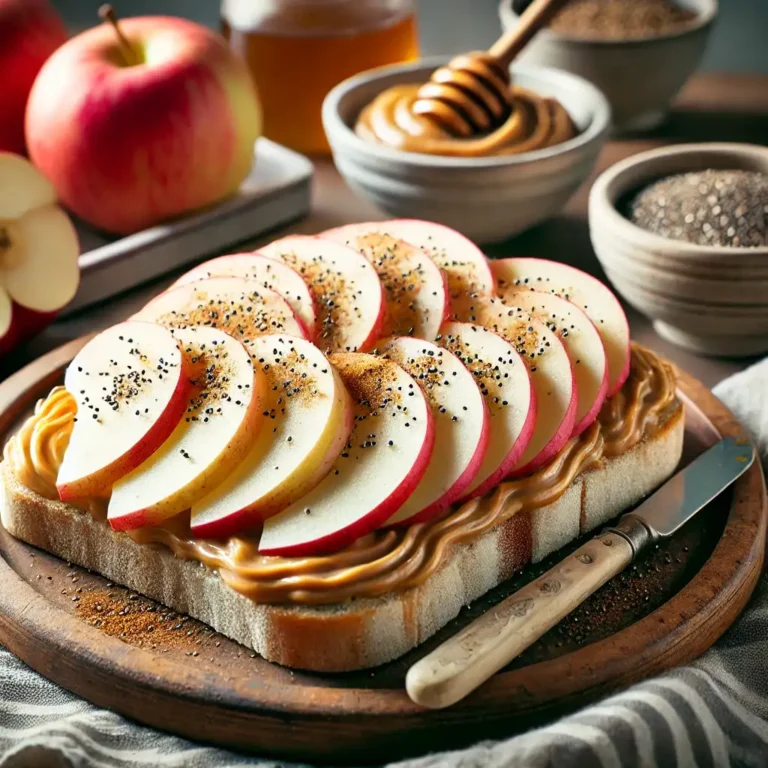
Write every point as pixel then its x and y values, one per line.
pixel 682 232
pixel 639 53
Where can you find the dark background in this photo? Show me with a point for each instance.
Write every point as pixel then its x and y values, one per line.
pixel 739 41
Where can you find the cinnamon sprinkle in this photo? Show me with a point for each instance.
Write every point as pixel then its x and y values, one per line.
pixel 137 620
pixel 402 276
pixel 370 381
pixel 336 295
pixel 243 315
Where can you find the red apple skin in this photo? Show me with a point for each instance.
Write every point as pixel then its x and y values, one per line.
pixel 497 267
pixel 623 376
pixel 30 31
pixel 591 414
pixel 453 494
pixel 377 331
pixel 611 391
pixel 128 147
pixel 99 484
pixel 516 450
pixel 375 517
pixel 559 439
pixel 247 519
pixel 25 324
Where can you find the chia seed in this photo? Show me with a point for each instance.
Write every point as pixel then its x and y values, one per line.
pixel 712 207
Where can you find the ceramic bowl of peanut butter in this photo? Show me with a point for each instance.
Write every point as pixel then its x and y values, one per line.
pixel 489 187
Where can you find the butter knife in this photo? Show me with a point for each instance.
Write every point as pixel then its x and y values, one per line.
pixel 469 658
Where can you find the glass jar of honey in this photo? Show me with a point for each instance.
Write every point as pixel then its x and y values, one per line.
pixel 297 50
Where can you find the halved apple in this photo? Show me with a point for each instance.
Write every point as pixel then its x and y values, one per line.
pixel 243 308
pixel 462 261
pixel 308 420
pixel 39 252
pixel 586 292
pixel 581 340
pixel 382 463
pixel 415 287
pixel 507 389
pixel 269 273
pixel 347 291
pixel 131 384
pixel 550 368
pixel 222 417
pixel 461 425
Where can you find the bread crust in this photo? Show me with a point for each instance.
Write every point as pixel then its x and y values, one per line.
pixel 363 632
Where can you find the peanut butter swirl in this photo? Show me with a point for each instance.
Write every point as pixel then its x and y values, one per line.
pixel 535 122
pixel 384 561
pixel 36 451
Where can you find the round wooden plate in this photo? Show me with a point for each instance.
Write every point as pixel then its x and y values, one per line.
pixel 665 610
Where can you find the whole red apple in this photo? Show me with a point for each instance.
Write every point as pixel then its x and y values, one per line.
pixel 30 31
pixel 138 122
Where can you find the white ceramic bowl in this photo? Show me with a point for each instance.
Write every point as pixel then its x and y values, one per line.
pixel 487 199
pixel 639 77
pixel 712 299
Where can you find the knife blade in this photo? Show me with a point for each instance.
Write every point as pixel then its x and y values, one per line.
pixel 685 493
pixel 490 642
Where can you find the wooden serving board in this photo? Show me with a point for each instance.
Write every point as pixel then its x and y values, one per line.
pixel 176 674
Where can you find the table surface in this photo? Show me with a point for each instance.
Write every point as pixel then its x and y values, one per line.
pixel 712 107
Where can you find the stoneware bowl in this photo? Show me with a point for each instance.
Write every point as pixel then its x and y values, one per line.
pixel 639 77
pixel 712 299
pixel 488 199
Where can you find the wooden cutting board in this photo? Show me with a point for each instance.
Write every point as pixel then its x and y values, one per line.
pixel 175 674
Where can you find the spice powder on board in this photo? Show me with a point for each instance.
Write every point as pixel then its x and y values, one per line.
pixel 136 620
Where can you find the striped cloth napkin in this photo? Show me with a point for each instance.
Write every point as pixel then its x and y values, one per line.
pixel 713 712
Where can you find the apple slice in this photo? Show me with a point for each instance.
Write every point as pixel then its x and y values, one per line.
pixel 507 389
pixel 384 459
pixel 461 425
pixel 417 296
pixel 583 290
pixel 463 263
pixel 131 384
pixel 242 308
pixel 551 373
pixel 269 273
pixel 309 418
pixel 39 252
pixel 347 291
pixel 222 416
pixel 581 340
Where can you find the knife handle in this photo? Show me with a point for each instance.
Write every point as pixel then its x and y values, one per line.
pixel 490 642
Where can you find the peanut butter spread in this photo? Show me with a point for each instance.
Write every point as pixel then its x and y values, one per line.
pixel 384 561
pixel 535 122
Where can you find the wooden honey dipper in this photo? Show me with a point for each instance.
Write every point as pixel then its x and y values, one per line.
pixel 471 94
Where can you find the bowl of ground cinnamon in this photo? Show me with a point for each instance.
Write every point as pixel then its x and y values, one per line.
pixel 682 232
pixel 639 53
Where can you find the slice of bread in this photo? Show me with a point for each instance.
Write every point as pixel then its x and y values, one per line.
pixel 360 632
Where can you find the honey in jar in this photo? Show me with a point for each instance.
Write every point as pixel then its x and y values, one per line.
pixel 297 50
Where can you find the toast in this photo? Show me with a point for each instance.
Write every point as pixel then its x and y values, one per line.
pixel 328 480
pixel 360 632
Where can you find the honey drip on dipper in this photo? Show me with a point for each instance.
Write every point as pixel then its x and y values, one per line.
pixel 470 107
